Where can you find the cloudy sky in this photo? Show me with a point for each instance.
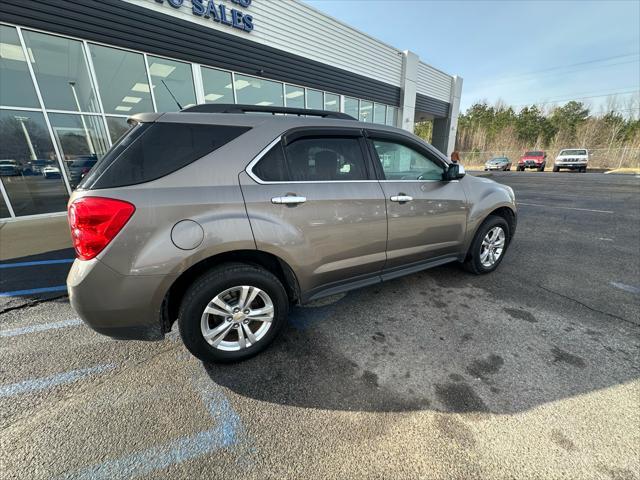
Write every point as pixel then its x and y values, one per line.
pixel 520 52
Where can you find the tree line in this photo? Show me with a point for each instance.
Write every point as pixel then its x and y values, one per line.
pixel 498 129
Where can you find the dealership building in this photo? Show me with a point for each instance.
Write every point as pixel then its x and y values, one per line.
pixel 72 71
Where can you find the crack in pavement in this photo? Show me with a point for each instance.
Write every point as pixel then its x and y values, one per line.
pixel 593 309
pixel 30 304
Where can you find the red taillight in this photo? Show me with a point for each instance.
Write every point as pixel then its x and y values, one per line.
pixel 95 221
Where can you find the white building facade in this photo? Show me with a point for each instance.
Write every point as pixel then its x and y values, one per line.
pixel 72 71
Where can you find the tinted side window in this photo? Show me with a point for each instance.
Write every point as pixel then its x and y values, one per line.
pixel 325 159
pixel 161 149
pixel 272 167
pixel 400 162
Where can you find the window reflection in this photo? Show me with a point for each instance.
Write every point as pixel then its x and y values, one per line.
pixel 256 91
pixel 29 170
pixel 217 86
pixel 351 107
pixel 315 100
pixel 82 142
pixel 16 88
pixel 61 71
pixel 171 78
pixel 118 126
pixel 379 113
pixel 122 80
pixel 331 102
pixel 294 96
pixel 366 111
pixel 392 112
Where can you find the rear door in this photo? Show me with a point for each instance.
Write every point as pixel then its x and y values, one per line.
pixel 313 201
pixel 427 216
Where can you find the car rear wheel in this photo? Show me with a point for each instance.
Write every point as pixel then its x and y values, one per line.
pixel 489 246
pixel 556 169
pixel 232 313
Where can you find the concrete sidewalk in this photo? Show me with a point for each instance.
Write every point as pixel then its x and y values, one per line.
pixel 32 237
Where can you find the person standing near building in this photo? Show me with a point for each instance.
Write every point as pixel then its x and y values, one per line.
pixel 455 156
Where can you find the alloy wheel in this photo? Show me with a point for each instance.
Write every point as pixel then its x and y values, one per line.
pixel 237 318
pixel 492 247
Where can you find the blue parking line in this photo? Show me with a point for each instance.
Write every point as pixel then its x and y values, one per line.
pixel 156 458
pixel 35 263
pixel 228 432
pixel 38 384
pixel 40 327
pixel 16 293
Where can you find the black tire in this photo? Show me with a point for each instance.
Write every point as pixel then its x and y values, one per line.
pixel 556 169
pixel 541 168
pixel 472 263
pixel 520 169
pixel 216 281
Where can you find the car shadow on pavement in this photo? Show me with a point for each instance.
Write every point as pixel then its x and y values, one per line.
pixel 439 340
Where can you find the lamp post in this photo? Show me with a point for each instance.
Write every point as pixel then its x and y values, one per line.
pixel 32 151
pixel 84 124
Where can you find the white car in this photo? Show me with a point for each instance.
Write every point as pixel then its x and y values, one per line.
pixel 51 172
pixel 572 159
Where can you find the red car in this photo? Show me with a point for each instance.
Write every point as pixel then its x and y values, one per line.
pixel 534 159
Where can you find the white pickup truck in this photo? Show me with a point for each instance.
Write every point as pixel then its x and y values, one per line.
pixel 572 159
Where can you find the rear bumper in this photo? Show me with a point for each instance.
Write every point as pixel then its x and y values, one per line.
pixel 120 306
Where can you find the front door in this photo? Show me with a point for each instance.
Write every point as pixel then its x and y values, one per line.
pixel 427 216
pixel 314 203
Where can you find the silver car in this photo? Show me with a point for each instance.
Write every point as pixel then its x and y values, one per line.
pixel 220 217
pixel 498 163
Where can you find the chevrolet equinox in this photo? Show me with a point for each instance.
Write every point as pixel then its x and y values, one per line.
pixel 220 217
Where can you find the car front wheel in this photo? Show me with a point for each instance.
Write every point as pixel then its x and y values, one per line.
pixel 232 313
pixel 488 246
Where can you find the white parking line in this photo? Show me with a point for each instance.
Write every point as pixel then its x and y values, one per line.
pixel 40 328
pixel 564 208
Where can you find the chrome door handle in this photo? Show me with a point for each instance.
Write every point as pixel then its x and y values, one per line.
pixel 288 200
pixel 401 198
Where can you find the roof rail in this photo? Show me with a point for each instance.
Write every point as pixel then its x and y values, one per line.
pixel 233 108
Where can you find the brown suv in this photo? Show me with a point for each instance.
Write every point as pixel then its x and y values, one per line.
pixel 221 216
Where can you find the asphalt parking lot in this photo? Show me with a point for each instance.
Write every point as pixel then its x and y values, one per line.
pixel 530 372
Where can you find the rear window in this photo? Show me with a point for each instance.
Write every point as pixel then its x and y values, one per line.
pixel 151 151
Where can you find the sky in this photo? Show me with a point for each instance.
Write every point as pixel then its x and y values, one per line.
pixel 518 52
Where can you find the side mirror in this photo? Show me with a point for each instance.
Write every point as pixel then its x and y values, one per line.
pixel 454 172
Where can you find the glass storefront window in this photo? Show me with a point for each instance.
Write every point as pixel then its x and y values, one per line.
pixel 82 141
pixel 217 86
pixel 366 111
pixel 294 96
pixel 256 91
pixel 351 107
pixel 62 73
pixel 332 102
pixel 118 126
pixel 29 170
pixel 122 80
pixel 167 78
pixel 379 113
pixel 391 116
pixel 315 100
pixel 16 88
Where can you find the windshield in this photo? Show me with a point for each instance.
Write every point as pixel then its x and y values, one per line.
pixel 573 152
pixel 534 154
pixel 499 159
